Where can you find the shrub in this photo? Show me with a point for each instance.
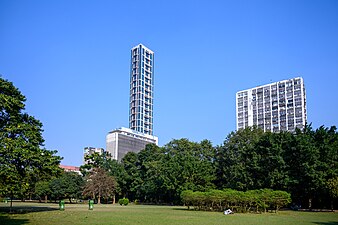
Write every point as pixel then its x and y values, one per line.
pixel 124 201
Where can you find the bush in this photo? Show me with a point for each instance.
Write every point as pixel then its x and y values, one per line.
pixel 124 201
pixel 238 201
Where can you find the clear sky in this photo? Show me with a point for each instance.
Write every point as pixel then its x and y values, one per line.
pixel 71 60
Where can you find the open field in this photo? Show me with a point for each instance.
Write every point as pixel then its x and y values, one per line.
pixel 76 214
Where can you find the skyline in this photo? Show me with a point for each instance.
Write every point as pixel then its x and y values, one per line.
pixel 72 62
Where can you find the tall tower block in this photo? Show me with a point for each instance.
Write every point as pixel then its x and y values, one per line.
pixel 141 89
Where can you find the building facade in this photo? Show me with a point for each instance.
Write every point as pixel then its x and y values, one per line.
pixel 90 151
pixel 141 90
pixel 123 140
pixel 279 106
pixel 74 169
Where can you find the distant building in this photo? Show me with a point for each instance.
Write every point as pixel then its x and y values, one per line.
pixel 90 151
pixel 279 106
pixel 123 140
pixel 71 169
pixel 141 89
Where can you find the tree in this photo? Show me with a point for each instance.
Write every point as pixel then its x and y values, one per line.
pixel 332 185
pixel 144 173
pixel 116 170
pixel 238 162
pixel 326 141
pixel 99 184
pixel 23 161
pixel 303 167
pixel 42 189
pixel 68 185
pixel 271 167
pixel 58 188
pixel 132 178
pixel 187 165
pixel 73 184
pixel 112 166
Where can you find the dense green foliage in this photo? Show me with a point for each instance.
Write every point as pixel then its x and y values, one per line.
pixel 237 201
pixel 68 185
pixel 299 163
pixel 42 190
pixel 333 187
pixel 160 174
pixel 23 161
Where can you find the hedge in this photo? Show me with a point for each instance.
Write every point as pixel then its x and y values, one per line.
pixel 238 201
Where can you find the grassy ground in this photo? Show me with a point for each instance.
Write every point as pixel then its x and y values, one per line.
pixel 48 214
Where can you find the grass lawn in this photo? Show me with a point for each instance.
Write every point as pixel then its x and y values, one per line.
pixel 77 214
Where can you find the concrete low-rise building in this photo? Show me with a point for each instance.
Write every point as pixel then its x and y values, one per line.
pixel 123 140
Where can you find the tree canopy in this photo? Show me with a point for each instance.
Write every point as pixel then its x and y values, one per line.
pixel 23 160
pixel 68 185
pixel 300 163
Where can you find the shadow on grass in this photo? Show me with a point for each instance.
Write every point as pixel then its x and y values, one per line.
pixel 4 219
pixel 191 209
pixel 326 223
pixel 183 209
pixel 26 209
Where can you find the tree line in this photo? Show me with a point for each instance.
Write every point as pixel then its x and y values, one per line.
pixel 97 185
pixel 303 163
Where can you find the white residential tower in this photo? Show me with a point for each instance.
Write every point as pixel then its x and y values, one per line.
pixel 279 106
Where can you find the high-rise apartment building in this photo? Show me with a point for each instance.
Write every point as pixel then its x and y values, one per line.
pixel 279 106
pixel 141 90
pixel 140 132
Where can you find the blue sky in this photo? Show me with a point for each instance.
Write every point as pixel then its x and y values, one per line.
pixel 71 60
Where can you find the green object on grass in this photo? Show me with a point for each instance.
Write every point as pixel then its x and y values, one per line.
pixel 62 205
pixel 91 204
